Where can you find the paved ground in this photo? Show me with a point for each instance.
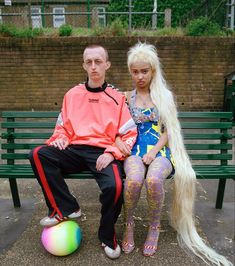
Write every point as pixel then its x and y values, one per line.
pixel 20 232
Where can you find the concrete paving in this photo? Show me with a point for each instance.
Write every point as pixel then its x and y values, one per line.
pixel 20 230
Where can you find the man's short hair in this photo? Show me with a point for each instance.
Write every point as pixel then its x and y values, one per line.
pixel 91 46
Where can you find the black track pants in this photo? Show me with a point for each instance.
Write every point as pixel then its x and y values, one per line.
pixel 51 164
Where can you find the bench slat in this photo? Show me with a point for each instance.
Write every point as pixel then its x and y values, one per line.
pixel 188 125
pixel 210 156
pixel 43 135
pixel 26 135
pixel 207 136
pixel 216 115
pixel 206 125
pixel 26 172
pixel 21 156
pixel 32 125
pixel 26 114
pixel 42 114
pixel 227 146
pixel 18 146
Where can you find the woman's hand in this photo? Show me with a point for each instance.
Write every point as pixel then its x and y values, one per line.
pixel 122 146
pixel 150 156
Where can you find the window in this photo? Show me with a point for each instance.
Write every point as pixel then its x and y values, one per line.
pixel 101 17
pixel 58 17
pixel 36 17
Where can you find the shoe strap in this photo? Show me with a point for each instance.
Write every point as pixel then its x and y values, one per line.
pixel 60 219
pixel 150 247
pixel 129 224
pixel 155 227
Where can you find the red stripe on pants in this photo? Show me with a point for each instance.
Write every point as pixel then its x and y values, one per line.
pixel 44 181
pixel 118 182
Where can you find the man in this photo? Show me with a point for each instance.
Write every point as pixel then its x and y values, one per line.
pixel 92 115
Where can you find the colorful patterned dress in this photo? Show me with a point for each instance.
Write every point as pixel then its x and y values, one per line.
pixel 149 130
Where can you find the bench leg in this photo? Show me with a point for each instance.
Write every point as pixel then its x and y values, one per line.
pixel 14 193
pixel 220 194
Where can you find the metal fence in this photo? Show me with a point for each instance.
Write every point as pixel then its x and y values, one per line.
pixel 53 14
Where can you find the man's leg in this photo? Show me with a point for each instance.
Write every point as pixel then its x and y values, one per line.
pixel 110 182
pixel 49 165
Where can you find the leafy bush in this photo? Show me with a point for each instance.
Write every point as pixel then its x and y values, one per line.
pixel 118 28
pixel 170 32
pixel 13 31
pixel 65 30
pixel 203 27
pixel 100 31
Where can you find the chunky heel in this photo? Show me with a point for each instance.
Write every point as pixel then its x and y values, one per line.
pixel 128 244
pixel 151 243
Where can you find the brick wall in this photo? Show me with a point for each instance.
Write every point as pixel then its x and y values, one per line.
pixel 35 73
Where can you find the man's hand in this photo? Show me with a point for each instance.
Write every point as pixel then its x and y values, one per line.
pixel 123 147
pixel 60 144
pixel 103 161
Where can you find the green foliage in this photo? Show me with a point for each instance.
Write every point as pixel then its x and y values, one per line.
pixel 82 31
pixel 138 21
pixel 182 11
pixel 170 32
pixel 99 31
pixel 203 27
pixel 65 30
pixel 117 28
pixel 159 32
pixel 13 31
pixel 178 9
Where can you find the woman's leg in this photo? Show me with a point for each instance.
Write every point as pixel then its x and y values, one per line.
pixel 135 172
pixel 158 171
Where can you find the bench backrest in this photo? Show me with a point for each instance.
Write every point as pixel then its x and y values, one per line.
pixel 206 134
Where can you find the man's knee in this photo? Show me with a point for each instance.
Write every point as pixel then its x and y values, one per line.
pixel 36 152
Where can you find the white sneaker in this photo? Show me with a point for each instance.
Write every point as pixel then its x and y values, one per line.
pixel 75 215
pixel 50 221
pixel 112 253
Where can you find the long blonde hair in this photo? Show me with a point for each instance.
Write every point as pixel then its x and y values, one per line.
pixel 182 214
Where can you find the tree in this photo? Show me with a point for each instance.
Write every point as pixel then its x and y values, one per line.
pixel 182 11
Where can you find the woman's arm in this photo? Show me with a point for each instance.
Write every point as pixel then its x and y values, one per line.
pixel 151 155
pixel 122 146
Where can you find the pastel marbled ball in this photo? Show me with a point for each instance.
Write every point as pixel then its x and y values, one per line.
pixel 62 239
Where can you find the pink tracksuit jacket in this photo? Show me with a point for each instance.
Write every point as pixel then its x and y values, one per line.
pixel 95 117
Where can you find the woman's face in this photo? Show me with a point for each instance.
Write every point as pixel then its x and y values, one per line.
pixel 141 74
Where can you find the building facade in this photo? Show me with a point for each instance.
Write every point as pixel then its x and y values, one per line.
pixel 52 13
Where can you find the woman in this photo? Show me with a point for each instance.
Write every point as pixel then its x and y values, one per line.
pixel 159 152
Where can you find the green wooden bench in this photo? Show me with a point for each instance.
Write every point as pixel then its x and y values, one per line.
pixel 206 137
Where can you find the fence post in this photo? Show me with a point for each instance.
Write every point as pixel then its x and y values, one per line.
pixel 95 19
pixel 130 16
pixel 154 16
pixel 29 14
pixel 167 19
pixel 89 16
pixel 43 16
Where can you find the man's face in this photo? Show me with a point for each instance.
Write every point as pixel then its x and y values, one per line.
pixel 95 63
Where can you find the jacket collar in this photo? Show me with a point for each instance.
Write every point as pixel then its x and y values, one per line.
pixel 98 89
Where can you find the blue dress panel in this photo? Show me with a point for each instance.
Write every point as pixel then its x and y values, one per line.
pixel 149 130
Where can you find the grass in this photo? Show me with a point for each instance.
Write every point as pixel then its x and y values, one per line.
pixel 112 30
